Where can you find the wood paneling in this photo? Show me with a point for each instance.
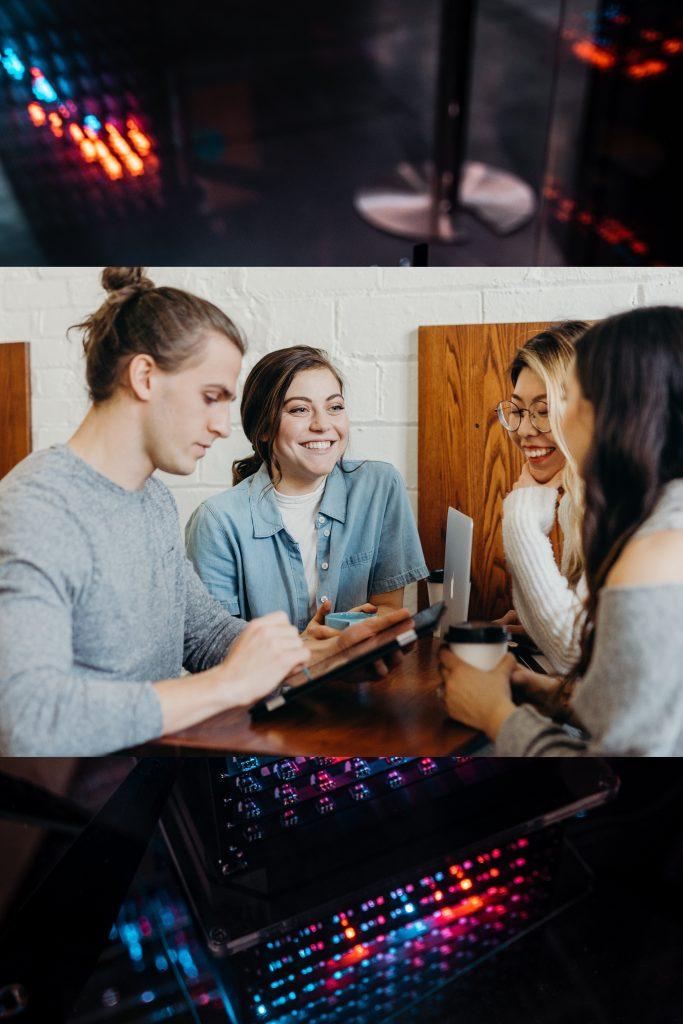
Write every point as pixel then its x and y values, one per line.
pixel 465 458
pixel 15 404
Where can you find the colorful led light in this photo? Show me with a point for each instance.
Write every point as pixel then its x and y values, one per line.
pixel 42 89
pixel 590 53
pixel 55 124
pixel 12 65
pixel 37 114
pixel 92 122
pixel 138 137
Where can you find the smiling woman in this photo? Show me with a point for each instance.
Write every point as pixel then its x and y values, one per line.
pixel 304 530
pixel 546 596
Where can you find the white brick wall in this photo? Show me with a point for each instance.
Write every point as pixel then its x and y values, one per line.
pixel 367 318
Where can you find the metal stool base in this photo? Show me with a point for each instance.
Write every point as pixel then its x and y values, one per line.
pixel 404 206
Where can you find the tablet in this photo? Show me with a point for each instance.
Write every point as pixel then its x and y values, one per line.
pixel 365 652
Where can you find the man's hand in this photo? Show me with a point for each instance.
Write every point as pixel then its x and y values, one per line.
pixel 316 628
pixel 262 655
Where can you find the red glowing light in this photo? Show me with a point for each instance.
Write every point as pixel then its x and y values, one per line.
pixel 438 895
pixel 37 114
pixel 88 150
pixel 55 124
pixel 672 46
pixel 138 137
pixel 76 132
pixel 350 933
pixel 36 72
pixel 647 69
pixel 590 53
pixel 651 35
pixel 466 883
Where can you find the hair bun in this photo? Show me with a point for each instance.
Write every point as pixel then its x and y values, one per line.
pixel 130 279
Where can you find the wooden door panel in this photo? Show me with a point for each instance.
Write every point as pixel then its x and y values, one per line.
pixel 465 458
pixel 15 404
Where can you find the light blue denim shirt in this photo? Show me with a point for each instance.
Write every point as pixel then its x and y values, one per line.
pixel 367 544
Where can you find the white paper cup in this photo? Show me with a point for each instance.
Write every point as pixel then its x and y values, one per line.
pixel 481 644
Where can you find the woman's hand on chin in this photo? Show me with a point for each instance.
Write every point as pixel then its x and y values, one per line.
pixel 479 699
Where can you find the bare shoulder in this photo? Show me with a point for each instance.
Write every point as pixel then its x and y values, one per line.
pixel 649 560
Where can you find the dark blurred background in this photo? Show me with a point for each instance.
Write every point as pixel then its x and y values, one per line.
pixel 263 120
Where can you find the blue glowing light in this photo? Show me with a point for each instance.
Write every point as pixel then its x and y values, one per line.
pixel 90 121
pixel 409 908
pixel 147 997
pixel 135 951
pixel 261 1010
pixel 161 963
pixel 43 90
pixel 11 63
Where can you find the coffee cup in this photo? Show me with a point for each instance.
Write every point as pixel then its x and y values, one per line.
pixel 481 644
pixel 435 592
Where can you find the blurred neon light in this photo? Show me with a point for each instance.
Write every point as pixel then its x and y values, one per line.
pixel 87 147
pixel 56 125
pixel 85 136
pixel 37 114
pixel 590 53
pixel 42 89
pixel 12 65
pixel 138 138
pixel 647 69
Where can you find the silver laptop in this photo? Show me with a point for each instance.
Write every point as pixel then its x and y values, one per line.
pixel 456 568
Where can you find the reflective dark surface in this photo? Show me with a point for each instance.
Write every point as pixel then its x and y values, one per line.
pixel 609 957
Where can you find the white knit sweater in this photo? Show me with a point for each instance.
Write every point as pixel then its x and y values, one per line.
pixel 547 606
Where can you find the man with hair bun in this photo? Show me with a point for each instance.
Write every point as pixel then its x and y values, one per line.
pixel 99 607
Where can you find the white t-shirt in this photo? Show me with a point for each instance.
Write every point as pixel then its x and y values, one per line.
pixel 299 513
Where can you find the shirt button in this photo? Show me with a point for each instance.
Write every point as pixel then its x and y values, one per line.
pixel 321 519
pixel 325 565
pixel 326 533
pixel 323 599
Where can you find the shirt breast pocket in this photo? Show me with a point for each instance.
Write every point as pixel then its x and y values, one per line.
pixel 354 579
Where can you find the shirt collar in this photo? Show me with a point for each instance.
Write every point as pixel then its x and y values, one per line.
pixel 265 514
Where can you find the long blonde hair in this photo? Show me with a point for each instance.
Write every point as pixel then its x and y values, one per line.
pixel 549 355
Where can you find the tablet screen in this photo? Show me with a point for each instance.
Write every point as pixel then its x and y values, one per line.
pixel 362 653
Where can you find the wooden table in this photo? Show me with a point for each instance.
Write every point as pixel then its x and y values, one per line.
pixel 398 715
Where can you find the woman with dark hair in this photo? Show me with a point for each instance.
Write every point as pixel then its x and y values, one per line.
pixel 304 530
pixel 623 423
pixel 99 606
pixel 547 597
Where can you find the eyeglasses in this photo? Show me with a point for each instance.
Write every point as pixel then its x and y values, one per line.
pixel 510 416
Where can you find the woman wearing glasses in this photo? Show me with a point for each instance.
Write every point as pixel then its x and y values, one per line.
pixel 547 598
pixel 623 421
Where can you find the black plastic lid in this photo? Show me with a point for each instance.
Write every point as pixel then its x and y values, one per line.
pixel 435 576
pixel 477 633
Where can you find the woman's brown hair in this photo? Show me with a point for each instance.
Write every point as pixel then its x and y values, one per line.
pixel 263 399
pixel 630 368
pixel 137 317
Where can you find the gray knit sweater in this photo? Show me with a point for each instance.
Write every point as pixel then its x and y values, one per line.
pixel 97 602
pixel 631 699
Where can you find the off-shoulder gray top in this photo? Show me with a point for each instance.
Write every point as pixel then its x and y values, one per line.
pixel 631 699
